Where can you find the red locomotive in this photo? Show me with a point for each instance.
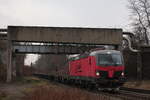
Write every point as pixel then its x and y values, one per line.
pixel 103 68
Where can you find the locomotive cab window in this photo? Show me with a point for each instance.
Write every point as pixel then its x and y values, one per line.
pixel 111 59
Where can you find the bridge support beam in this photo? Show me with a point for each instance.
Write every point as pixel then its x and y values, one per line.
pixel 14 74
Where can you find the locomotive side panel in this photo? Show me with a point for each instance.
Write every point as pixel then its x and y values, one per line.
pixel 80 67
pixel 85 67
pixel 72 67
pixel 92 66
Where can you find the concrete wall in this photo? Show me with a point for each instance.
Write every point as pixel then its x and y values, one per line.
pixel 130 60
pixel 66 35
pixel 131 63
pixel 146 62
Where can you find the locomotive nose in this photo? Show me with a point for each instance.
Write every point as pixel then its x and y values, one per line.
pixel 110 73
pixel 115 74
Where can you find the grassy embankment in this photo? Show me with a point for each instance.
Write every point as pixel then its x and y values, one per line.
pixel 145 84
pixel 37 89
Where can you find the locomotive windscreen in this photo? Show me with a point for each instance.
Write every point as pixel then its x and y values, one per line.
pixel 111 59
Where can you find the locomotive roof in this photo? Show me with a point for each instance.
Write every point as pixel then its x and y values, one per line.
pixel 104 51
pixel 94 53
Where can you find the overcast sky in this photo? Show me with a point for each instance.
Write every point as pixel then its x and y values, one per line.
pixel 68 13
pixel 72 13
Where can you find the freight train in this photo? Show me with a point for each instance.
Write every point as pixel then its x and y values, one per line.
pixel 103 69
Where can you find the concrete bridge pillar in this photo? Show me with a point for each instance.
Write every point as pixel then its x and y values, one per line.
pixel 9 60
pixel 14 66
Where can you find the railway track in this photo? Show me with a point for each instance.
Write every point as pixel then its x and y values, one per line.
pixel 123 94
pixel 142 91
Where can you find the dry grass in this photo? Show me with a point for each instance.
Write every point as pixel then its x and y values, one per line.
pixel 2 95
pixel 18 89
pixel 30 88
pixel 145 84
pixel 59 93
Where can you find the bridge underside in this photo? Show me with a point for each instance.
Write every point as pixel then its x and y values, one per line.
pixel 53 48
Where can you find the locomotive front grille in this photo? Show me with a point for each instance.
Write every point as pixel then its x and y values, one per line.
pixel 117 74
pixel 103 74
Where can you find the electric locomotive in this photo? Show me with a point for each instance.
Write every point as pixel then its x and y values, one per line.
pixel 103 68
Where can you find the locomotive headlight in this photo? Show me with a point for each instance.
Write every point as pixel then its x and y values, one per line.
pixel 122 74
pixel 97 74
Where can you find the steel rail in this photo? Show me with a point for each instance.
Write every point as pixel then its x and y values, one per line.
pixel 143 91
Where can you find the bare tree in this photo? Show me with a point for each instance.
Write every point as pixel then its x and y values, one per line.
pixel 140 10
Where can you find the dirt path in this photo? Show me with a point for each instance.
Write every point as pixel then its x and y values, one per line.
pixel 17 90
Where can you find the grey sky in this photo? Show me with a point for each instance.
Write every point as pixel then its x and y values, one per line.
pixel 71 13
pixel 77 13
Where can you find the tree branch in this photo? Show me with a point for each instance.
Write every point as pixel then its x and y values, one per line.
pixel 135 7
